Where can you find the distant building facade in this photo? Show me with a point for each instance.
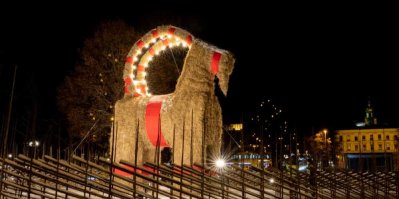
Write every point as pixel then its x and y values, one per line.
pixel 368 147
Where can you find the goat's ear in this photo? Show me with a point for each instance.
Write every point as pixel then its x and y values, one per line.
pixel 226 66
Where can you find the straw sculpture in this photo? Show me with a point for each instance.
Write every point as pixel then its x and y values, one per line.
pixel 185 120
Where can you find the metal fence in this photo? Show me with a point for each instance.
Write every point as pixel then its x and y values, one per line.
pixel 24 177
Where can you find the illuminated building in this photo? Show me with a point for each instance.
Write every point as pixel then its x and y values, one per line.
pixel 368 147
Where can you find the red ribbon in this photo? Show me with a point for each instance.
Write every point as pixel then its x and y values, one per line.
pixel 129 60
pixel 126 89
pixel 140 44
pixel 171 30
pixel 154 33
pixel 152 120
pixel 189 39
pixel 215 62
pixel 131 169
pixel 165 42
pixel 152 51
pixel 140 68
pixel 127 81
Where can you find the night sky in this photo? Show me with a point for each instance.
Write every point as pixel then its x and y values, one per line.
pixel 319 65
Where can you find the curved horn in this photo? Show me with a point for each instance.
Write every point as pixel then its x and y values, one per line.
pixel 151 43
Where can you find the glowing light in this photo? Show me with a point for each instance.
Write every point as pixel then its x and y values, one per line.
pixel 33 143
pixel 271 180
pixel 220 163
pixel 303 167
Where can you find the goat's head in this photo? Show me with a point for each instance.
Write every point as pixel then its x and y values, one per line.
pixel 225 68
pixel 219 62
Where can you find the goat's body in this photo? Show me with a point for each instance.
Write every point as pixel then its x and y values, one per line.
pixel 192 122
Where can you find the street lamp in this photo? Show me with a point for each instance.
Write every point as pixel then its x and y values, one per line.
pixel 34 144
pixel 325 137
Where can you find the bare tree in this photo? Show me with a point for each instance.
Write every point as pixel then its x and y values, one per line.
pixel 89 93
pixel 319 147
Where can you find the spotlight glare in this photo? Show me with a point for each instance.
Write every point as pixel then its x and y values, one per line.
pixel 220 163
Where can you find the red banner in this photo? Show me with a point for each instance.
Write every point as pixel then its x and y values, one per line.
pixel 152 120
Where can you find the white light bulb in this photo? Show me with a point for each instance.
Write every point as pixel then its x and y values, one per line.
pixel 220 163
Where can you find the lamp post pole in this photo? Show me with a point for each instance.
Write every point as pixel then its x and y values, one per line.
pixel 325 144
pixel 325 137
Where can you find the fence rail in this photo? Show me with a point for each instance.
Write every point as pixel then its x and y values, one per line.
pixel 48 177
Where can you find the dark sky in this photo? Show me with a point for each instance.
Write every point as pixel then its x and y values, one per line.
pixel 318 63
